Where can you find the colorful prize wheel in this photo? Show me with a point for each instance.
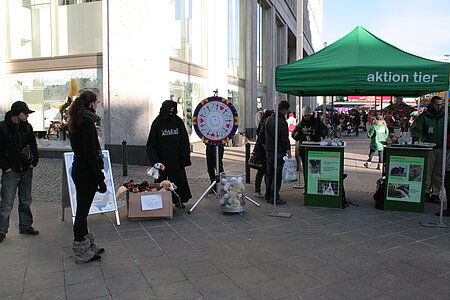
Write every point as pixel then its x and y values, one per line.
pixel 215 120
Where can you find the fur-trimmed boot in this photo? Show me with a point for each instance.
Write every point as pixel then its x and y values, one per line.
pixel 82 252
pixel 91 237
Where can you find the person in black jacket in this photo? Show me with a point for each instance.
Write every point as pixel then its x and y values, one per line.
pixel 168 143
pixel 87 172
pixel 261 153
pixel 18 156
pixel 267 135
pixel 308 129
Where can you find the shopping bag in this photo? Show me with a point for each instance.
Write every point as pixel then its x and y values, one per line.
pixel 289 173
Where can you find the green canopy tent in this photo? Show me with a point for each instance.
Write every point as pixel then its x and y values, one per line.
pixel 362 64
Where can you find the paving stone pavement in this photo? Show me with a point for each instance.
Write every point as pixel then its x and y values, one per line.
pixel 319 253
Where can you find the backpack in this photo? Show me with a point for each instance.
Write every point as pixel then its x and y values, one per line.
pixel 379 196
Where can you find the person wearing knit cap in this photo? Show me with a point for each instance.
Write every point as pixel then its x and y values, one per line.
pixel 308 129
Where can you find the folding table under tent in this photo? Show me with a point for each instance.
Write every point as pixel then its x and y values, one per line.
pixel 362 64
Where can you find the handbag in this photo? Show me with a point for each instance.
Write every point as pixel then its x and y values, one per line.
pixel 255 161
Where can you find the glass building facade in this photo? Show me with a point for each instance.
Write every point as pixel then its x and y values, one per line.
pixel 134 55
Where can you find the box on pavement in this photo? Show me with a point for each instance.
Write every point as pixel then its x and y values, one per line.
pixel 150 205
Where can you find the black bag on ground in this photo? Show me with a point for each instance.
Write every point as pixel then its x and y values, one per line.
pixel 379 193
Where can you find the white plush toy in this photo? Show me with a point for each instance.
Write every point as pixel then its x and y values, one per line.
pixel 224 199
pixel 168 185
pixel 235 193
pixel 154 171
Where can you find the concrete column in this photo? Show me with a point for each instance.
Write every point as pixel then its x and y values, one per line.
pixel 271 46
pixel 282 31
pixel 217 52
pixel 299 42
pixel 136 61
pixel 250 69
pixel 3 35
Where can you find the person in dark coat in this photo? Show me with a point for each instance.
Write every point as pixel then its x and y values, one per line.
pixel 365 118
pixel 259 148
pixel 267 136
pixel 18 156
pixel 357 121
pixel 168 143
pixel 404 126
pixel 87 172
pixel 308 129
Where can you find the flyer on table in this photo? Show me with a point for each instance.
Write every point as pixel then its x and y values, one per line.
pixel 323 172
pixel 405 178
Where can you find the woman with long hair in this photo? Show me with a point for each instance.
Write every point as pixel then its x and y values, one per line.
pixel 378 133
pixel 87 171
pixel 261 152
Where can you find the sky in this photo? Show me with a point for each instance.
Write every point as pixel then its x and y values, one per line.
pixel 420 27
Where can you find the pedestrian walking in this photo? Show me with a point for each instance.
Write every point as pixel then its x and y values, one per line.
pixel 18 157
pixel 378 133
pixel 404 126
pixel 390 122
pixel 357 121
pixel 365 118
pixel 87 172
pixel 168 143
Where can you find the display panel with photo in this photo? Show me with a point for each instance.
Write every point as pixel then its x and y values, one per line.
pixel 102 202
pixel 314 166
pixel 415 172
pixel 398 170
pixel 398 190
pixel 328 187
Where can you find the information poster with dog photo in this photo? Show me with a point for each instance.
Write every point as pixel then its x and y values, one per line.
pixel 405 178
pixel 102 202
pixel 323 173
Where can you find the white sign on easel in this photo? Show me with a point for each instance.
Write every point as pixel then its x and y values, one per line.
pixel 102 203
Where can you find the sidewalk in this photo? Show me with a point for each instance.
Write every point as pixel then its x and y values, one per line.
pixel 354 253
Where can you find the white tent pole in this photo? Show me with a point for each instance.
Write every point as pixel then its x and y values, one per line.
pixel 275 161
pixel 441 224
pixel 444 157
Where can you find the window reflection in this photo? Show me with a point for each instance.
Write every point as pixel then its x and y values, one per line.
pixel 40 28
pixel 189 30
pixel 49 94
pixel 187 91
pixel 236 38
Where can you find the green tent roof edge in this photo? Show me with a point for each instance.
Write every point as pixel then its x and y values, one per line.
pixel 349 92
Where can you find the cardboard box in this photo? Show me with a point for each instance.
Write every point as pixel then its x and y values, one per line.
pixel 149 205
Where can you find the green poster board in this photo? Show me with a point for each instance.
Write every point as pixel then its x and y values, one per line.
pixel 405 178
pixel 323 172
pixel 406 173
pixel 324 175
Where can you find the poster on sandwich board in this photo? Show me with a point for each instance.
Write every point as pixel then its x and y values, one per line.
pixel 102 203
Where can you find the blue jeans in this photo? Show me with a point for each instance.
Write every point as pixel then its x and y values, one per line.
pixel 11 181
